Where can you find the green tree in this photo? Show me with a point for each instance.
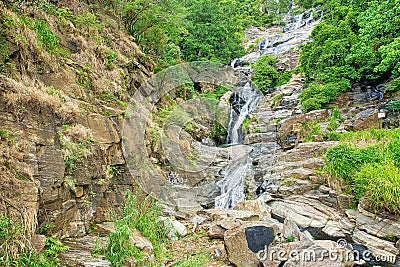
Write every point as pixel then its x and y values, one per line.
pixel 155 25
pixel 265 75
pixel 213 31
pixel 358 40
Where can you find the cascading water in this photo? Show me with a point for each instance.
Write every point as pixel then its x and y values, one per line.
pixel 232 186
pixel 245 101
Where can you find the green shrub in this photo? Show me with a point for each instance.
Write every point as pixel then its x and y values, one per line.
pixel 265 75
pixel 352 44
pixel 394 85
pixel 143 216
pixel 393 105
pixel 318 96
pixel 45 36
pixel 380 184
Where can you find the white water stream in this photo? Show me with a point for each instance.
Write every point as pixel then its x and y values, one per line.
pixel 245 101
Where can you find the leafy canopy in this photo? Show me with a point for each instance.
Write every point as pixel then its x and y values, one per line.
pixel 357 40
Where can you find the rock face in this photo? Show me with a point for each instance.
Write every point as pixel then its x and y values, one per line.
pixel 289 132
pixel 65 162
pixel 244 242
pixel 366 119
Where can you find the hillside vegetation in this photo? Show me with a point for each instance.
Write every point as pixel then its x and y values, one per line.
pixel 356 41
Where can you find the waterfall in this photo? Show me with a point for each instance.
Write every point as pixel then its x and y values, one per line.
pixel 233 185
pixel 245 101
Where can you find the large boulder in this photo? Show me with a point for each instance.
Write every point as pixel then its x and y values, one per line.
pixel 374 224
pixel 290 129
pixel 366 119
pixel 245 241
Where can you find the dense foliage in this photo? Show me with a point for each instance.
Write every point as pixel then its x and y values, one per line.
pixel 266 76
pixel 190 30
pixel 357 41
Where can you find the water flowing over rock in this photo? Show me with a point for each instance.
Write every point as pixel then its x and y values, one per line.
pixel 232 186
pixel 244 102
pixel 277 41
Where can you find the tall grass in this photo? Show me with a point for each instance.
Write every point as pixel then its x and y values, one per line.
pixel 16 251
pixel 368 162
pixel 45 36
pixel 380 184
pixel 143 216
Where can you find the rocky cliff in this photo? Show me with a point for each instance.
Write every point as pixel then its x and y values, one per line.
pixel 68 75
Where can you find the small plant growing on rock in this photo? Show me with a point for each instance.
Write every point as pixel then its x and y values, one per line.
pixel 290 238
pixel 111 58
pixel 114 171
pixel 46 38
pixel 135 215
